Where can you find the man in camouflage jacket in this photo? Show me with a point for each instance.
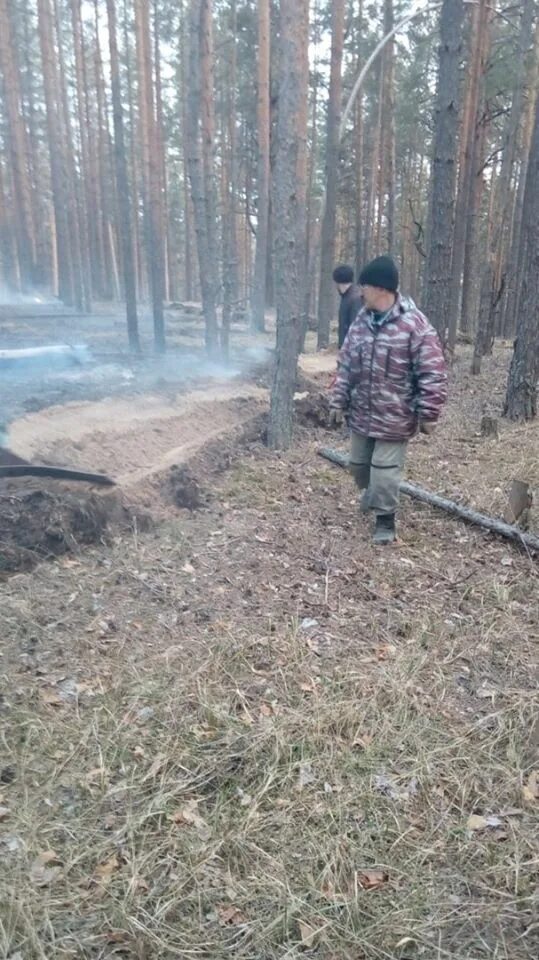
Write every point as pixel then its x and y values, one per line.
pixel 391 381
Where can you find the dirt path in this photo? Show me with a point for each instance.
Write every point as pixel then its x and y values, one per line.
pixel 132 438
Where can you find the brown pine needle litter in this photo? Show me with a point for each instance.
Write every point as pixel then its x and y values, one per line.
pixel 246 733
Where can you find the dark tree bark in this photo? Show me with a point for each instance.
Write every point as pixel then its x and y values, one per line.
pixel 466 162
pixel 326 295
pixel 512 271
pixel 122 185
pixel 258 304
pixel 490 279
pixel 151 171
pixel 289 224
pixel 199 136
pixel 59 178
pixel 18 150
pixel 444 168
pixel 521 397
pixel 388 185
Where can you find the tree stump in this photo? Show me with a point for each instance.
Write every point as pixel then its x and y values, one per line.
pixel 520 501
pixel 489 427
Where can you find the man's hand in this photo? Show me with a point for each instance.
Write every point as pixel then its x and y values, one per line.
pixel 427 427
pixel 336 417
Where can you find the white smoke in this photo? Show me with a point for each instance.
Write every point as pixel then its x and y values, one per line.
pixel 12 298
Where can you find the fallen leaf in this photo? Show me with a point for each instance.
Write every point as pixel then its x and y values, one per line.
pixel 46 868
pixel 476 823
pixel 51 697
pixel 486 692
pixel 97 773
pixel 188 568
pixel 511 812
pixel 104 871
pixel 144 714
pixel 530 790
pixel 390 787
pixel 118 936
pixel 230 916
pixel 315 645
pixel 372 879
pixel 11 843
pixel 156 766
pixel 189 816
pixel 4 813
pixel 363 741
pixel 306 775
pixel 385 651
pixel 48 857
pixel 307 933
pixel 266 710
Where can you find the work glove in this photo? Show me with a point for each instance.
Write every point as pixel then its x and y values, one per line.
pixel 427 427
pixel 336 417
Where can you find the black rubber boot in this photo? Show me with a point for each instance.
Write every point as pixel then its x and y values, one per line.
pixel 384 531
pixel 365 502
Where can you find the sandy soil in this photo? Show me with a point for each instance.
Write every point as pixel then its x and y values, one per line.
pixel 132 438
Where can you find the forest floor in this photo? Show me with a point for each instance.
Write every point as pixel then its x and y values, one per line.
pixel 232 727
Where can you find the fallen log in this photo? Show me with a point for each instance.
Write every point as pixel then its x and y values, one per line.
pixel 499 527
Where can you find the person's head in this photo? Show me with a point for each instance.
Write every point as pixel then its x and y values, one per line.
pixel 379 282
pixel 343 276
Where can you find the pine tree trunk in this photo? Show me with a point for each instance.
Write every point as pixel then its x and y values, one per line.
pixel 473 246
pixel 521 398
pixel 103 181
pixel 167 266
pixel 82 295
pixel 59 177
pixel 440 224
pixel 466 164
pixel 84 163
pixel 258 305
pixel 512 278
pixel 18 150
pixel 131 150
pixel 151 171
pixel 326 295
pixel 388 191
pixel 368 230
pixel 289 200
pixel 231 255
pixel 499 220
pixel 199 137
pixel 122 185
pixel 359 155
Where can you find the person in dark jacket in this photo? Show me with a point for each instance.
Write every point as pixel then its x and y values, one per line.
pixel 391 382
pixel 351 299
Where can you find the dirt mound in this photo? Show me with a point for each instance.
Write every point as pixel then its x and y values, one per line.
pixel 40 520
pixel 312 410
pixel 186 490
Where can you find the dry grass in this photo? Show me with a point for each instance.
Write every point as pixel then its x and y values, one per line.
pixel 192 770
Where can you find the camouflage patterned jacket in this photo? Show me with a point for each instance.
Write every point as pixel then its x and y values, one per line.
pixel 390 375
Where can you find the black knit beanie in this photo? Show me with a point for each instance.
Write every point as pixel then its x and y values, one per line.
pixel 381 272
pixel 343 274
